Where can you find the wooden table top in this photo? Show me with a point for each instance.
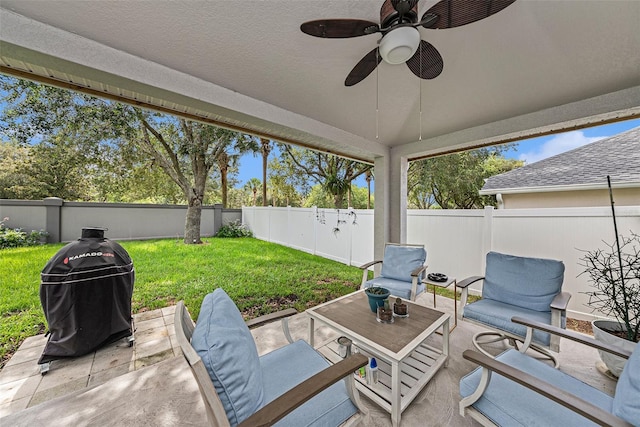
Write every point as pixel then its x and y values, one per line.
pixel 351 314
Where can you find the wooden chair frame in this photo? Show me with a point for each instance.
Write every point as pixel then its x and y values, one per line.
pixel 281 406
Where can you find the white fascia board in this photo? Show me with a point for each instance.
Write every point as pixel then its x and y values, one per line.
pixel 556 188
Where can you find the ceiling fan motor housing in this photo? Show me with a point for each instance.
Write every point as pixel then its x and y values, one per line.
pixel 389 15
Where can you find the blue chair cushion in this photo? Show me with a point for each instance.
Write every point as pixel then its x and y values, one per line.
pixel 226 346
pixel 400 261
pixel 507 403
pixel 526 282
pixel 626 403
pixel 498 315
pixel 396 287
pixel 288 366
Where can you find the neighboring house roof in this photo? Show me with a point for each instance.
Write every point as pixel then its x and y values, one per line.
pixel 585 167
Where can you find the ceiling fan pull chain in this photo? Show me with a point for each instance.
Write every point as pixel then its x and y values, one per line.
pixel 377 92
pixel 420 83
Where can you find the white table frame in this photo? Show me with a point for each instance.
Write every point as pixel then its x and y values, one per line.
pixel 398 385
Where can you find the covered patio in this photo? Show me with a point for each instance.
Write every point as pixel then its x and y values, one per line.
pixel 535 68
pixel 152 384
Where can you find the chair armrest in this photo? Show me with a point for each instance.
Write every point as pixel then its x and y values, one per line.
pixel 418 271
pixel 369 264
pixel 574 336
pixel 561 301
pixel 469 280
pixel 280 407
pixel 271 317
pixel 543 388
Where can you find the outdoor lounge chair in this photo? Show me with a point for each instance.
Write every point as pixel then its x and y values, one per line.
pixel 525 391
pixel 517 286
pixel 403 268
pixel 293 385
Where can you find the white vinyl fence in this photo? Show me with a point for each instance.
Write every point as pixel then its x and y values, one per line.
pixel 456 240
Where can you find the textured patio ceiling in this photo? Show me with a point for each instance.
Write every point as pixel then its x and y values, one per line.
pixel 536 67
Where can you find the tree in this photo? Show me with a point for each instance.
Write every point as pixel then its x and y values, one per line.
pixel 319 197
pixel 15 182
pixel 285 186
pixel 252 185
pixel 264 147
pixel 95 129
pixel 334 173
pixel 58 170
pixel 187 151
pixel 453 181
pixel 368 176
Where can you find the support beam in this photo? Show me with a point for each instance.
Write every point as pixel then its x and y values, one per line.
pixel 397 190
pixel 390 211
pixel 381 206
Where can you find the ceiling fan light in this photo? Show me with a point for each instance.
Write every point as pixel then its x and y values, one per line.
pixel 398 45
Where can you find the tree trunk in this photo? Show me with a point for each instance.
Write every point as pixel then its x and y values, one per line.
pixel 224 183
pixel 369 192
pixel 192 224
pixel 255 196
pixel 265 149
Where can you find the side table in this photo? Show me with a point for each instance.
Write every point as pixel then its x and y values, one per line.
pixel 446 284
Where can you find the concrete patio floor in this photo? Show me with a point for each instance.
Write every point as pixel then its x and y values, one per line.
pixel 151 384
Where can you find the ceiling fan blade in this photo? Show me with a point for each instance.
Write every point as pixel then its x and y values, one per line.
pixel 455 13
pixel 339 28
pixel 363 68
pixel 426 63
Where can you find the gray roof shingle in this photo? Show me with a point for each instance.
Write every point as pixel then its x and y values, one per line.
pixel 617 156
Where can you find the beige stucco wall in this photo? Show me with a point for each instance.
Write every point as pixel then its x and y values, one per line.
pixel 579 198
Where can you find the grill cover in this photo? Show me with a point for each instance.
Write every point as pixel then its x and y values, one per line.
pixel 85 291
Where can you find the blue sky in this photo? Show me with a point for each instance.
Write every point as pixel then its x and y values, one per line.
pixel 529 150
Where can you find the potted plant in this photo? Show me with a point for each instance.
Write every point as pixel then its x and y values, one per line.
pixel 377 296
pixel 385 314
pixel 614 273
pixel 400 309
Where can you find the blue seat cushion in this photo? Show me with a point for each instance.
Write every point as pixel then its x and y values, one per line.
pixel 226 346
pixel 496 314
pixel 400 261
pixel 508 403
pixel 626 403
pixel 530 283
pixel 396 287
pixel 288 366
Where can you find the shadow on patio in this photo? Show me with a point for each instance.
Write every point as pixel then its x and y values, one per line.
pixel 151 384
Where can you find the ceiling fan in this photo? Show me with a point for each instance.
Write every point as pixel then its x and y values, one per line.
pixel 401 41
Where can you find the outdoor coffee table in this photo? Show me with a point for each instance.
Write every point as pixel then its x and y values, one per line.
pixel 406 362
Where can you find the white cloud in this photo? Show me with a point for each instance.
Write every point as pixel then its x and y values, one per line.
pixel 559 144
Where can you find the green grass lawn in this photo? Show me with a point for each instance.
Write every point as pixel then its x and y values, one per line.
pixel 259 276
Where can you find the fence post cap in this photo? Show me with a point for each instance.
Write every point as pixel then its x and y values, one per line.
pixel 53 201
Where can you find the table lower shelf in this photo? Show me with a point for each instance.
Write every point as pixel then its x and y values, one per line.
pixel 415 372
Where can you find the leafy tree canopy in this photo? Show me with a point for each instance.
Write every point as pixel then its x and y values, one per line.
pixel 335 174
pixel 453 181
